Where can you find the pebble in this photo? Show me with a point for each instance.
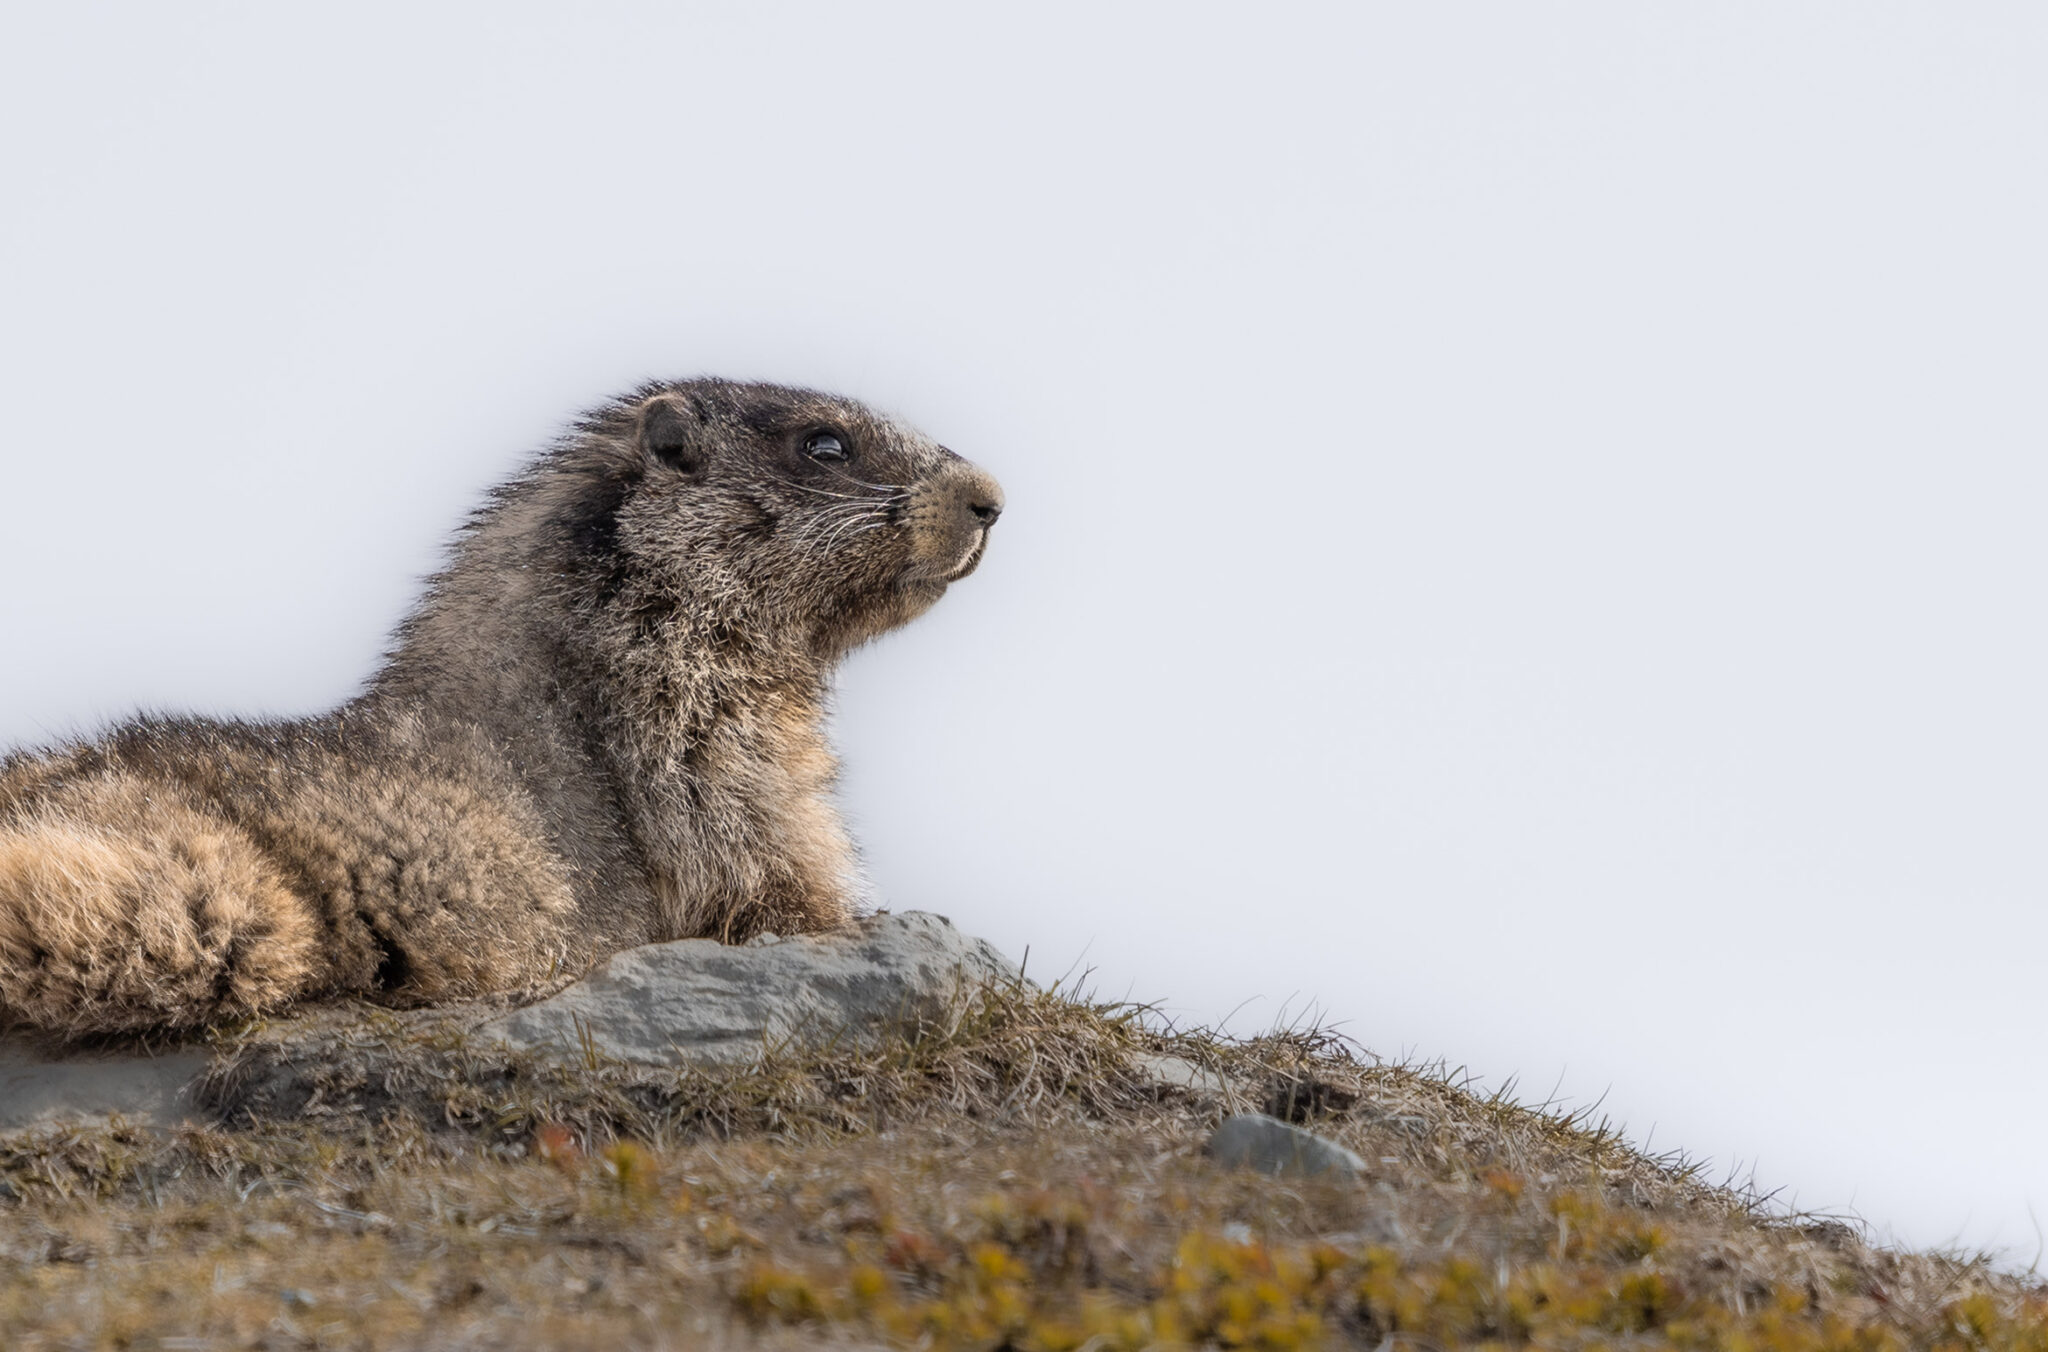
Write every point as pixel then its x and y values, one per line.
pixel 1255 1141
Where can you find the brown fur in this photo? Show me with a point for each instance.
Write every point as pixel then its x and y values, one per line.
pixel 602 726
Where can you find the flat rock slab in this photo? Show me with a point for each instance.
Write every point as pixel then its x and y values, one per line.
pixel 700 1002
pixel 37 1090
pixel 1255 1141
pixel 693 1002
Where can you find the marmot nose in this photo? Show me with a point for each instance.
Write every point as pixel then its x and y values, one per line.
pixel 983 499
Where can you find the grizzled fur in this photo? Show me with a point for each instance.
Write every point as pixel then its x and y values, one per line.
pixel 602 726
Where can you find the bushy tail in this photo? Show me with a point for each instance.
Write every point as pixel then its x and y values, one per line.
pixel 124 908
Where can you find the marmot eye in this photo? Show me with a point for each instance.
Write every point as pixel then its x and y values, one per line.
pixel 824 446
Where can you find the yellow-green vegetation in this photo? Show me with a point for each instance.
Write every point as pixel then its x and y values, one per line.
pixel 1610 1277
pixel 1006 1178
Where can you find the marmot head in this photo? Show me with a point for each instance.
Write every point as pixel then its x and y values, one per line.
pixel 780 512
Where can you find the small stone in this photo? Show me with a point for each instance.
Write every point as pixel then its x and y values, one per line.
pixel 1177 1072
pixel 1255 1141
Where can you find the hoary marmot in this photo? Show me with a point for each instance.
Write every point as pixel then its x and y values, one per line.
pixel 601 726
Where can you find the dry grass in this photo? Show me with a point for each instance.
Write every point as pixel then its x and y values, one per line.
pixel 1004 1178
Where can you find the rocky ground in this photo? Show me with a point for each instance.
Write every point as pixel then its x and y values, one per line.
pixel 888 1140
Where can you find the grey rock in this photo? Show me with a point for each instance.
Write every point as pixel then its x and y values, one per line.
pixel 1255 1141
pixel 1177 1072
pixel 691 1002
pixel 37 1090
pixel 699 1002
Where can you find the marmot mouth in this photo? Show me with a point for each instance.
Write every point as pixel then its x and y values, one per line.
pixel 928 575
pixel 972 561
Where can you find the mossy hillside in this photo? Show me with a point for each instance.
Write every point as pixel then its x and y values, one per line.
pixel 1007 1176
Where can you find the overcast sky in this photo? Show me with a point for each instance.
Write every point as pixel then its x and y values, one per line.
pixel 1525 520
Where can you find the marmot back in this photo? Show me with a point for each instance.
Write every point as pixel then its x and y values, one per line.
pixel 602 726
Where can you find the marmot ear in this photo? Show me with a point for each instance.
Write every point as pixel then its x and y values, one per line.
pixel 670 433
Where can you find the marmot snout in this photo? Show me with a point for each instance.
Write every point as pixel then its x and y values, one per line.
pixel 952 512
pixel 603 725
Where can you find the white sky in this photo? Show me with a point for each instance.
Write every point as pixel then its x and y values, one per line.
pixel 1525 520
